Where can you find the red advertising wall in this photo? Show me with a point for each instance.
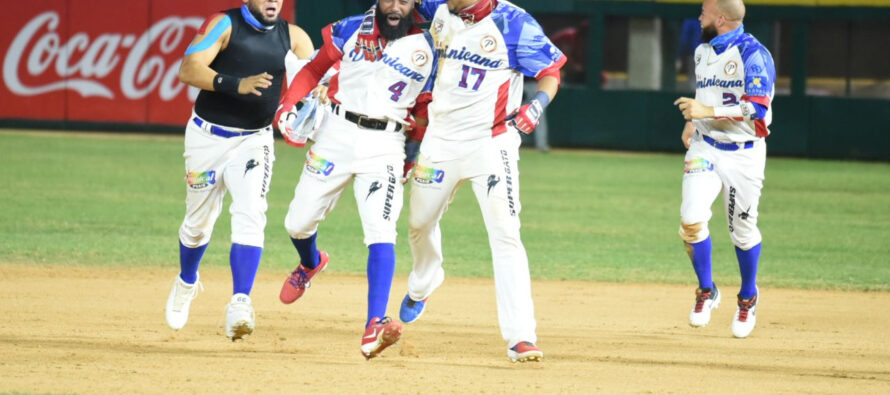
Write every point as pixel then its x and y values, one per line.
pixel 101 60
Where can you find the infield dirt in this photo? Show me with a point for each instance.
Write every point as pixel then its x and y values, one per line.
pixel 95 329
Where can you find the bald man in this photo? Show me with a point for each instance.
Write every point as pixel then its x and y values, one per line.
pixel 725 135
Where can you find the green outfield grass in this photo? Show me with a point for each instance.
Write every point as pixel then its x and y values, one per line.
pixel 118 200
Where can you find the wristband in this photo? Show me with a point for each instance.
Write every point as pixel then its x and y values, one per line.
pixel 542 98
pixel 728 112
pixel 226 83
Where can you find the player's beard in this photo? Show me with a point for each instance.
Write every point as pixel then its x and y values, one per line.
pixel 708 33
pixel 258 14
pixel 391 33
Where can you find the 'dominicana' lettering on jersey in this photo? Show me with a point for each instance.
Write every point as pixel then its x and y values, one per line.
pixel 395 63
pixel 463 54
pixel 714 81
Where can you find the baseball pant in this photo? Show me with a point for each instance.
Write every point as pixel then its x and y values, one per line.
pixel 738 174
pixel 242 166
pixel 372 159
pixel 493 173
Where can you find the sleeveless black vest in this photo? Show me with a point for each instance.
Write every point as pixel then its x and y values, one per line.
pixel 249 52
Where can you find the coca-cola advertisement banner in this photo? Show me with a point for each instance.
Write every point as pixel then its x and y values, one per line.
pixel 101 60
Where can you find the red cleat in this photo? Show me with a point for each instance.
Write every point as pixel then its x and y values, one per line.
pixel 381 334
pixel 300 279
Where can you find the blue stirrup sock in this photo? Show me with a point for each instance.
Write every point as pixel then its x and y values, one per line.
pixel 748 269
pixel 701 262
pixel 244 260
pixel 381 268
pixel 189 259
pixel 307 250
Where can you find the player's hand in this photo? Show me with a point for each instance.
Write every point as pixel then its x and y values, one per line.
pixel 686 137
pixel 407 169
pixel 693 109
pixel 527 117
pixel 284 119
pixel 321 92
pixel 253 84
pixel 412 149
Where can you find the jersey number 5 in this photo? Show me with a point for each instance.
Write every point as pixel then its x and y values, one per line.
pixel 480 73
pixel 397 89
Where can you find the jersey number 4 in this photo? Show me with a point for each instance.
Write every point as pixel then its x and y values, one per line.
pixel 480 73
pixel 397 89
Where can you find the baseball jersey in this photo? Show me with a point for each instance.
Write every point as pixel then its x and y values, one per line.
pixel 386 88
pixel 735 74
pixel 479 78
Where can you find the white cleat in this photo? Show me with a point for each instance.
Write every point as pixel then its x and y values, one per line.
pixel 745 317
pixel 704 302
pixel 179 301
pixel 240 318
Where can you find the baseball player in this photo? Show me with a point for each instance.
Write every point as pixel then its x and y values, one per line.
pixel 237 60
pixel 726 140
pixel 386 63
pixel 485 47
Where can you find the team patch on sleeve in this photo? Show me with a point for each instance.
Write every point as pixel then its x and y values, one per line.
pixel 318 165
pixel 698 165
pixel 200 179
pixel 428 175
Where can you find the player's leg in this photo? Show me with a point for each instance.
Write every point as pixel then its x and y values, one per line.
pixel 378 196
pixel 701 185
pixel 433 186
pixel 743 178
pixel 325 175
pixel 205 191
pixel 497 191
pixel 248 175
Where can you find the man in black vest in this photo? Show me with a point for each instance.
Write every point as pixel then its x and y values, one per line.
pixel 237 60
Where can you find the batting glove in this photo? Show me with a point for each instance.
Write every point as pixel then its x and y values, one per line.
pixel 285 118
pixel 528 116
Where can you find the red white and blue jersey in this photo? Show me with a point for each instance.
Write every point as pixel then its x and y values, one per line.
pixel 735 71
pixel 482 61
pixel 388 87
pixel 385 88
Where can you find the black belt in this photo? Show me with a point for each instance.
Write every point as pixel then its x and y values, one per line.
pixel 223 132
pixel 727 146
pixel 363 121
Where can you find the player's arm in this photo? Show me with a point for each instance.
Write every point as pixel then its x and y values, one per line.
pixel 307 80
pixel 686 136
pixel 195 69
pixel 535 56
pixel 301 44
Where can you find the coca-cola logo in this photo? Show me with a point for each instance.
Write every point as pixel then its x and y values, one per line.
pixel 81 64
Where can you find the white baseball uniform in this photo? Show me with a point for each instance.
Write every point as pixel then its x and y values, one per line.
pixel 384 90
pixel 736 76
pixel 478 83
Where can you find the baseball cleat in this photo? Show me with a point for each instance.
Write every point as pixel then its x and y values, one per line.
pixel 411 309
pixel 705 301
pixel 179 301
pixel 300 279
pixel 525 352
pixel 381 334
pixel 745 317
pixel 240 317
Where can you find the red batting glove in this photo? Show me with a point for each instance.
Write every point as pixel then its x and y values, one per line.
pixel 527 117
pixel 284 118
pixel 406 171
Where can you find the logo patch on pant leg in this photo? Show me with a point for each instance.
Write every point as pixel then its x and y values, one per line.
pixel 698 166
pixel 318 165
pixel 428 175
pixel 200 179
